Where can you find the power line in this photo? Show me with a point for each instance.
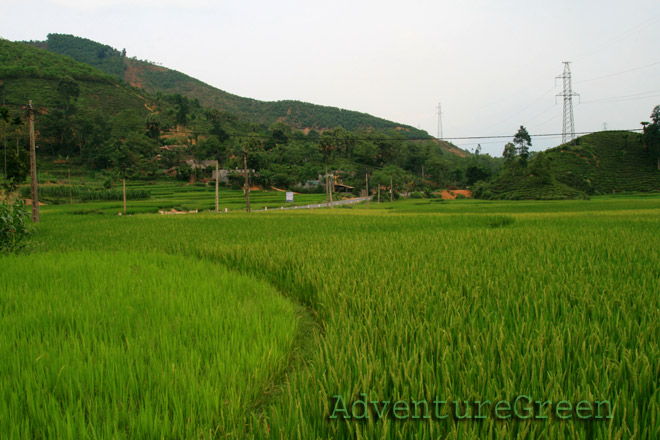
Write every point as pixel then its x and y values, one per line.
pixel 391 139
pixel 618 73
pixel 546 93
pixel 622 36
pixel 532 135
pixel 633 97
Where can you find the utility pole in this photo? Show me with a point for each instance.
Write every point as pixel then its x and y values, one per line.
pixel 440 134
pixel 331 187
pixel 327 186
pixel 568 129
pixel 33 167
pixel 391 192
pixel 217 176
pixel 379 193
pixel 123 183
pixel 70 196
pixel 422 174
pixel 247 184
pixel 366 176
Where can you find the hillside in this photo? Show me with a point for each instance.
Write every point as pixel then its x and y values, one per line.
pixel 94 121
pixel 299 115
pixel 600 163
pixel 606 162
pixel 30 73
pixel 82 112
pixel 533 182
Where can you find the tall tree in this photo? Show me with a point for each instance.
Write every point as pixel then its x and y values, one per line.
pixel 523 141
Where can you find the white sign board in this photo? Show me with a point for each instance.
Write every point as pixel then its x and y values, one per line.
pixel 289 196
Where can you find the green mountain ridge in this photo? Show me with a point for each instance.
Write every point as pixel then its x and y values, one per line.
pixel 93 122
pixel 157 79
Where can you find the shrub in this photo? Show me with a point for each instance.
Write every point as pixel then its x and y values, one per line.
pixel 14 229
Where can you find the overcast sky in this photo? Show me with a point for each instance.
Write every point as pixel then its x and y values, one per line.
pixel 492 64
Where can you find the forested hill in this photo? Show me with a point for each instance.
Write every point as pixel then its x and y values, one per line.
pixel 607 162
pixel 153 78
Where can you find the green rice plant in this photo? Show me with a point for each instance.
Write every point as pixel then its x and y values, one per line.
pixel 414 302
pixel 499 221
pixel 134 345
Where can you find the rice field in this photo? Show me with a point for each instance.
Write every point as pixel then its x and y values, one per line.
pixel 154 196
pixel 460 302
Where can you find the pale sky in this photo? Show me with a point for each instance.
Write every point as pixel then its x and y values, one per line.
pixel 491 64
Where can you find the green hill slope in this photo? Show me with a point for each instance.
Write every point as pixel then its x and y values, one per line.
pixel 81 112
pixel 299 115
pixel 88 118
pixel 600 163
pixel 30 73
pixel 606 162
pixel 533 182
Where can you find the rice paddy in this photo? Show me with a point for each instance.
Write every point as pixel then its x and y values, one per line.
pixel 461 301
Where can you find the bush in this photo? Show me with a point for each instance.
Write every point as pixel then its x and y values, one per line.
pixel 14 229
pixel 416 195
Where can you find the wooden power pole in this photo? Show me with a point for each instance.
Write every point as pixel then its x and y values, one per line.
pixel 33 167
pixel 366 176
pixel 123 183
pixel 327 186
pixel 217 177
pixel 70 195
pixel 247 184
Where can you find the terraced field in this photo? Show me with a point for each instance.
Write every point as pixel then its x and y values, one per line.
pixel 460 301
pixel 606 163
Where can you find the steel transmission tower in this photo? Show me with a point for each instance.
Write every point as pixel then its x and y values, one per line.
pixel 568 132
pixel 440 134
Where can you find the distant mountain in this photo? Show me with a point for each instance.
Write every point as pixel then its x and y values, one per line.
pixel 157 79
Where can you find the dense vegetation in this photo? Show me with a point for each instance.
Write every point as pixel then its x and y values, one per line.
pixel 22 61
pixel 108 125
pixel 600 163
pixel 555 300
pixel 521 181
pixel 157 79
pixel 606 162
pixel 89 119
